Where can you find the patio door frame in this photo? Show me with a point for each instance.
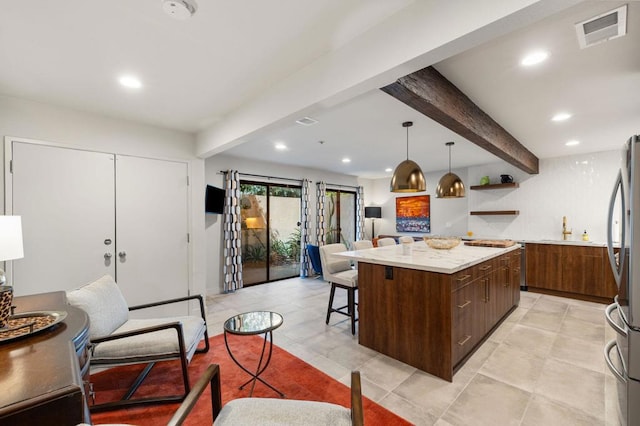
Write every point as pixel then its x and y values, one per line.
pixel 268 186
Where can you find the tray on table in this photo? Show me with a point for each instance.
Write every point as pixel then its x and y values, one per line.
pixel 29 323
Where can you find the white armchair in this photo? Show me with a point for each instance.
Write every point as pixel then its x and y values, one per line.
pixel 339 273
pixel 115 339
pixel 271 411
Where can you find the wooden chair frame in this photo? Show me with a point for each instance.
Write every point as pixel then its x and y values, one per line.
pixel 152 359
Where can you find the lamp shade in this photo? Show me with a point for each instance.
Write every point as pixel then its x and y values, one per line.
pixel 408 177
pixel 11 238
pixel 450 186
pixel 373 212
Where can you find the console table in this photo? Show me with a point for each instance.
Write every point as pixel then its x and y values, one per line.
pixel 41 376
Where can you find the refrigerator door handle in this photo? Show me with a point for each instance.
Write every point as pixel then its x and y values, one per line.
pixel 616 266
pixel 607 358
pixel 612 322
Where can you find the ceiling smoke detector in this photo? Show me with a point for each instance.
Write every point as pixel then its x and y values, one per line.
pixel 179 9
pixel 601 28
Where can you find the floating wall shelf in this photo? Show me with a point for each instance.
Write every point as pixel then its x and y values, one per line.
pixel 496 186
pixel 495 212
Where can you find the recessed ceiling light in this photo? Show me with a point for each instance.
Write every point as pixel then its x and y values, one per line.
pixel 561 116
pixel 388 170
pixel 346 160
pixel 572 143
pixel 280 146
pixel 130 81
pixel 534 58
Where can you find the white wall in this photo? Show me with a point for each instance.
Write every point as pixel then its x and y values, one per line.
pixel 32 120
pixel 577 186
pixel 448 216
pixel 213 222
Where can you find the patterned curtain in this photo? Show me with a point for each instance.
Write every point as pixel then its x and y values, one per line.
pixel 321 201
pixel 232 255
pixel 305 230
pixel 360 213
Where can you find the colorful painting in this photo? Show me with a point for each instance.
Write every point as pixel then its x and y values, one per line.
pixel 413 214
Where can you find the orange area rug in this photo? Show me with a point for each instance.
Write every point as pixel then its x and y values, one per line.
pixel 294 377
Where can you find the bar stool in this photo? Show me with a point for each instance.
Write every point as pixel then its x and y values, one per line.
pixel 339 273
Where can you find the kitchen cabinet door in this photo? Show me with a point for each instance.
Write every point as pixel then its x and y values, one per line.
pixel 544 266
pixel 582 269
pixel 498 295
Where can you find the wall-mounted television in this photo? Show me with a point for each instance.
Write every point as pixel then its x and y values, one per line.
pixel 214 200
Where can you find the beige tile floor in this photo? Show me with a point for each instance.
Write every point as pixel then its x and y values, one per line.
pixel 542 366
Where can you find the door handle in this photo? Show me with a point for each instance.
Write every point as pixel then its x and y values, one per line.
pixel 607 357
pixel 122 254
pixel 108 255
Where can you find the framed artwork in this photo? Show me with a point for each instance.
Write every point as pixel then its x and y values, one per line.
pixel 413 214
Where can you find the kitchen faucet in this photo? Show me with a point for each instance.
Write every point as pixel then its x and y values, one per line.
pixel 564 228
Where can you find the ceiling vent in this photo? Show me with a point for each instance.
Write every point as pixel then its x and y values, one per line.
pixel 307 121
pixel 601 28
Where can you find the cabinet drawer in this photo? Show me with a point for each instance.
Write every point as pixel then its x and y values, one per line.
pixel 462 331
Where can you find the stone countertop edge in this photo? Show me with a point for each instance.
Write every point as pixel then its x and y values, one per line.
pixel 567 243
pixel 424 258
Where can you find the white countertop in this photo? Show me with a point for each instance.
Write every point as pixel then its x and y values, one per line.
pixel 423 257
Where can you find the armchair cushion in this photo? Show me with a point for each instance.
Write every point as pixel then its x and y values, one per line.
pixel 157 344
pixel 104 303
pixel 271 411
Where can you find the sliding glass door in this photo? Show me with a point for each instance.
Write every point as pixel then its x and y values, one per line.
pixel 341 217
pixel 270 231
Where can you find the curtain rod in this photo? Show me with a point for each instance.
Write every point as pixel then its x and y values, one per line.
pixel 341 186
pixel 224 172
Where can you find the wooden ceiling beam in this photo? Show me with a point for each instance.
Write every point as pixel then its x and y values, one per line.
pixel 430 93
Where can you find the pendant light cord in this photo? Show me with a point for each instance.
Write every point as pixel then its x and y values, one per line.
pixel 407 143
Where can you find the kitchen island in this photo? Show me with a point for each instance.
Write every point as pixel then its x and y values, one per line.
pixel 432 308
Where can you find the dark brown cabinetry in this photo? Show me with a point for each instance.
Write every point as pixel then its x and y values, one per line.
pixel 433 321
pixel 580 272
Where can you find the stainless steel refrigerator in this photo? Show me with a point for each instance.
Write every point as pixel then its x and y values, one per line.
pixel 622 354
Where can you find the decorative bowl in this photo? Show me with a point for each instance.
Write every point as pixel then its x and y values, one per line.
pixel 442 243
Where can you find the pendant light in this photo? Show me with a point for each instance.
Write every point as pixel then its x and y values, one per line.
pixel 408 176
pixel 450 185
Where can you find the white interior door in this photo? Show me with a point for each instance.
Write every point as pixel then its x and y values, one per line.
pixel 66 200
pixel 152 230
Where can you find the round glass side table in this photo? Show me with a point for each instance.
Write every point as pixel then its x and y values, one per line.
pixel 251 324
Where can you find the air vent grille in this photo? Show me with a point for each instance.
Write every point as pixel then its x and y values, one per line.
pixel 307 121
pixel 603 27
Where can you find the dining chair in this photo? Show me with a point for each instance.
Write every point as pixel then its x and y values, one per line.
pixel 362 244
pixel 388 241
pixel 406 240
